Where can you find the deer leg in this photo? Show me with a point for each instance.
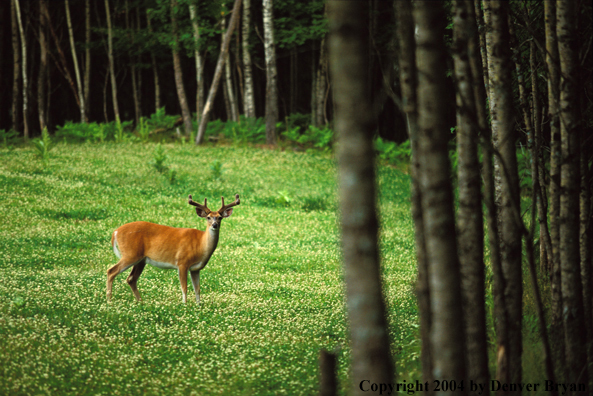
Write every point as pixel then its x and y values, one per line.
pixel 133 278
pixel 183 282
pixel 195 281
pixel 122 265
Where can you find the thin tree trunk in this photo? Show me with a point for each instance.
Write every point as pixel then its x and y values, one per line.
pixel 16 53
pixel 408 81
pixel 42 78
pixel 23 69
pixel 234 114
pixel 501 97
pixel 313 86
pixel 185 113
pixel 248 98
pixel 575 334
pixel 87 58
pixel 501 324
pixel 218 71
pixel 371 357
pixel 321 86
pixel 199 63
pixel 556 330
pixel 130 29
pixel 447 332
pixel 482 42
pixel 157 85
pixel 111 61
pixel 76 68
pixel 271 73
pixel 470 235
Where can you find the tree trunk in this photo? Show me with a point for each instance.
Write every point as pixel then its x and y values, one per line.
pixel 478 66
pixel 470 235
pixel 321 86
pixel 76 68
pixel 16 53
pixel 111 61
pixel 135 90
pixel 23 69
pixel 447 332
pixel 87 58
pixel 199 62
pixel 234 111
pixel 501 97
pixel 185 113
pixel 271 73
pixel 408 81
pixel 218 71
pixel 157 85
pixel 482 42
pixel 371 357
pixel 248 98
pixel 556 330
pixel 42 78
pixel 572 298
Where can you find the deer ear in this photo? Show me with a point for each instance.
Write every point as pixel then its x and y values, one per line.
pixel 227 212
pixel 201 212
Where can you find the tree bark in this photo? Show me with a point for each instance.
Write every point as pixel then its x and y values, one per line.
pixel 556 330
pixel 218 71
pixel 248 98
pixel 572 298
pixel 479 67
pixel 501 96
pixel 23 69
pixel 135 82
pixel 199 62
pixel 157 85
pixel 16 53
pixel 371 357
pixel 271 73
pixel 447 332
pixel 408 81
pixel 234 111
pixel 185 113
pixel 42 78
pixel 111 61
pixel 470 235
pixel 320 119
pixel 76 68
pixel 87 58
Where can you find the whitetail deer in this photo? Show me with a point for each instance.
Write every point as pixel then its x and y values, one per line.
pixel 183 249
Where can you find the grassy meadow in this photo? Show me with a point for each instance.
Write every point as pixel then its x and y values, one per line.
pixel 272 294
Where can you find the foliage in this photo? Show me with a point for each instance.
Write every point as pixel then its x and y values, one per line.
pixel 392 152
pixel 311 137
pixel 43 146
pixel 7 137
pixel 524 168
pixel 160 120
pixel 247 130
pixel 272 293
pixel 143 130
pixel 216 168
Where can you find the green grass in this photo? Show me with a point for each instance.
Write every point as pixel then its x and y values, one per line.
pixel 272 294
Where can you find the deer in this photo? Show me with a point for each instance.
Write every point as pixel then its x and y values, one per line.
pixel 184 249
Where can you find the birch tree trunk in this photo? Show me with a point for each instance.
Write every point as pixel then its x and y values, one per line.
pixel 76 68
pixel 501 98
pixel 42 77
pixel 248 98
pixel 575 334
pixel 271 73
pixel 16 53
pixel 199 62
pixel 234 114
pixel 23 69
pixel 218 71
pixel 447 331
pixel 470 235
pixel 320 119
pixel 479 67
pixel 556 329
pixel 408 81
pixel 111 61
pixel 135 89
pixel 87 58
pixel 371 357
pixel 157 85
pixel 185 113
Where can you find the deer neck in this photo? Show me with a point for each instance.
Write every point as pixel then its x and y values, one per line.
pixel 210 240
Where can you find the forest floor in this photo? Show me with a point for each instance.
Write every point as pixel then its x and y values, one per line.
pixel 272 294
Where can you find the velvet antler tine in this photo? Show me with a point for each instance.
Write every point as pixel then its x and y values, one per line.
pixel 225 207
pixel 200 206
